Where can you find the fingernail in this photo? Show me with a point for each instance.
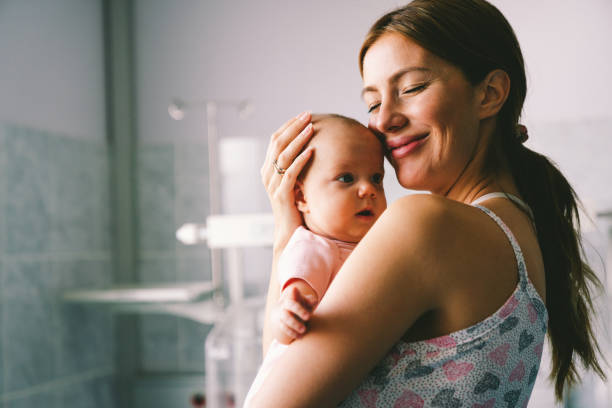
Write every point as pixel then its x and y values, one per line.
pixel 311 299
pixel 304 115
pixel 307 129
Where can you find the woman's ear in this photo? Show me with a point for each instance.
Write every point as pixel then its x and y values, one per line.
pixel 300 199
pixel 494 90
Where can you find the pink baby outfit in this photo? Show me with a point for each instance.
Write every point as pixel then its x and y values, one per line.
pixel 314 259
pixel 493 363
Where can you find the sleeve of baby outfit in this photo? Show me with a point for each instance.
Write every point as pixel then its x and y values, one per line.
pixel 309 257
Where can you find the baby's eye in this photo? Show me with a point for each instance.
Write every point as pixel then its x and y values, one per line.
pixel 346 178
pixel 377 178
pixel 372 107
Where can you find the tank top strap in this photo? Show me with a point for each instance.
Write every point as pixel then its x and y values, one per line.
pixel 522 205
pixel 518 253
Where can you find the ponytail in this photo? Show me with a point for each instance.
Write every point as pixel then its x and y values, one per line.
pixel 475 37
pixel 569 279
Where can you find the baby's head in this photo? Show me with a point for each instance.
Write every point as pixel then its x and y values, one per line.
pixel 340 191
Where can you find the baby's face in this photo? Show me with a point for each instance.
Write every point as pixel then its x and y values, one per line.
pixel 342 191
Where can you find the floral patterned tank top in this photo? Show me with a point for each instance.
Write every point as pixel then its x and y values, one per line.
pixel 493 363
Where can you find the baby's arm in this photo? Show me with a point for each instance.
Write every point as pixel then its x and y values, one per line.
pixel 296 304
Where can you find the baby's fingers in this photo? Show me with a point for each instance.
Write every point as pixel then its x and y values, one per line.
pixel 291 324
pixel 296 308
pixel 289 332
pixel 308 301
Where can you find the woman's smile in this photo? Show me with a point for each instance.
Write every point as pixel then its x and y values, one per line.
pixel 431 134
pixel 402 146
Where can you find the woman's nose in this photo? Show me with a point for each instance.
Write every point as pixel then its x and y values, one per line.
pixel 388 118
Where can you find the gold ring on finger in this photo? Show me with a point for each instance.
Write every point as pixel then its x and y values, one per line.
pixel 278 168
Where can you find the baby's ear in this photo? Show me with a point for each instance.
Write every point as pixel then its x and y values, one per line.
pixel 300 200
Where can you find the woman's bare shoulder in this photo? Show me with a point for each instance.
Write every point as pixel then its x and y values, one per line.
pixel 429 216
pixel 456 246
pixel 427 204
pixel 411 235
pixel 436 231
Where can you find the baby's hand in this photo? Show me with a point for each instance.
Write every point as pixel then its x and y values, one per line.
pixel 296 304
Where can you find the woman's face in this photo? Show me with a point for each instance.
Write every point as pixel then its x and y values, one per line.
pixel 426 110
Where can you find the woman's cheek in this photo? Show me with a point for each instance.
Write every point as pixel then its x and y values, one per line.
pixel 424 110
pixel 372 122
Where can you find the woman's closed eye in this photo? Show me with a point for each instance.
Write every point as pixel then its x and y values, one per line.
pixel 414 89
pixel 373 106
pixel 346 178
pixel 406 91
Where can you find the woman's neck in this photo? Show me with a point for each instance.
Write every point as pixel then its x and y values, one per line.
pixel 476 182
pixel 479 178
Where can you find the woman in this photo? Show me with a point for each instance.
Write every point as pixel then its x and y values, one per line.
pixel 442 302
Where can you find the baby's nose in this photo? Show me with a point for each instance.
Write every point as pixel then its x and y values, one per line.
pixel 366 189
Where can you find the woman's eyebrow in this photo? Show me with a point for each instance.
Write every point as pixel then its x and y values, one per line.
pixel 395 77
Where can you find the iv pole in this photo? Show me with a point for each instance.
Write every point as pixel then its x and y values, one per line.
pixel 176 110
pixel 216 393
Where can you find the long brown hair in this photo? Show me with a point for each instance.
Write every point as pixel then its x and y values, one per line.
pixel 474 36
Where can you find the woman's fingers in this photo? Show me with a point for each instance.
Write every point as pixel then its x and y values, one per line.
pixel 279 174
pixel 284 138
pixel 271 152
pixel 295 146
pixel 279 142
pixel 286 216
pixel 291 174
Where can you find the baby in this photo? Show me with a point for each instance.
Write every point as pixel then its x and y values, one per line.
pixel 340 195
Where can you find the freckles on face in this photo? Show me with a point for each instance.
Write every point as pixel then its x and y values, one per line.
pixel 424 108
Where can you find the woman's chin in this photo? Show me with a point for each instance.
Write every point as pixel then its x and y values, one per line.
pixel 408 179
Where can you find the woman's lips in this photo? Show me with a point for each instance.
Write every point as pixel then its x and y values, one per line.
pixel 402 147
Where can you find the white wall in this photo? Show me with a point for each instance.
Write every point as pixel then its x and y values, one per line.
pixel 287 56
pixel 291 56
pixel 569 103
pixel 568 57
pixel 51 78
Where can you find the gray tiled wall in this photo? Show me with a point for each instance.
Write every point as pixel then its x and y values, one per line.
pixel 172 189
pixel 54 236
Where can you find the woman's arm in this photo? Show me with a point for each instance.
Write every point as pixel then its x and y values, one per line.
pixel 284 151
pixel 384 286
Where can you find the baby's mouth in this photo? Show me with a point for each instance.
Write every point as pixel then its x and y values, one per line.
pixel 365 213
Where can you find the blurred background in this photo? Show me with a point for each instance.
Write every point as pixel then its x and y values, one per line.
pixel 96 177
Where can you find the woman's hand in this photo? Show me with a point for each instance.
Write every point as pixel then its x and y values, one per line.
pixel 279 173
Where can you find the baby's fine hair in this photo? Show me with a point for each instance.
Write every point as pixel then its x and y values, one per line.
pixel 319 118
pixel 323 117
